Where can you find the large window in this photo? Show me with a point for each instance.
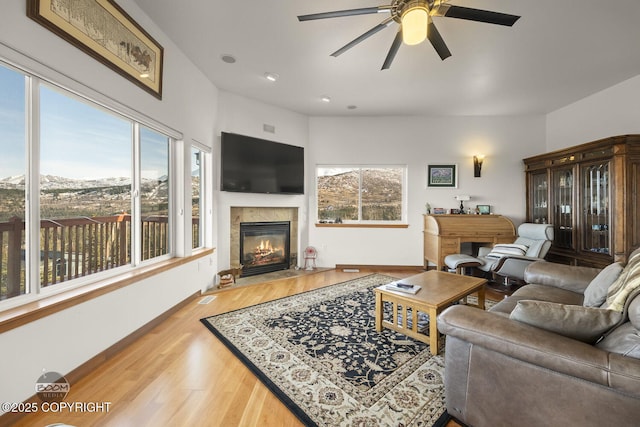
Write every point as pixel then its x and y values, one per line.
pixel 13 173
pixel 373 194
pixel 101 181
pixel 154 193
pixel 85 188
pixel 197 158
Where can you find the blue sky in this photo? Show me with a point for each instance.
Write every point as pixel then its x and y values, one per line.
pixel 77 140
pixel 11 123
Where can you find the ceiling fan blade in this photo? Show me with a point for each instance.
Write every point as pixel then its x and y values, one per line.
pixel 437 41
pixel 384 24
pixel 339 13
pixel 397 41
pixel 478 15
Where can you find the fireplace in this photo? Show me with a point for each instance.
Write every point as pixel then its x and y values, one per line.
pixel 264 247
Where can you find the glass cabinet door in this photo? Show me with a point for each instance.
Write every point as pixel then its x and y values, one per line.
pixel 539 198
pixel 563 203
pixel 595 207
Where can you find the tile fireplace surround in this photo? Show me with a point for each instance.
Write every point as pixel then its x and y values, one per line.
pixel 262 214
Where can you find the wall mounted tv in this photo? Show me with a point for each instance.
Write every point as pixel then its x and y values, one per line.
pixel 253 165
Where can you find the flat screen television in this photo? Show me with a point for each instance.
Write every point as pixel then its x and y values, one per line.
pixel 254 165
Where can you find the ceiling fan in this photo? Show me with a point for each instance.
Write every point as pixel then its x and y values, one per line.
pixel 416 25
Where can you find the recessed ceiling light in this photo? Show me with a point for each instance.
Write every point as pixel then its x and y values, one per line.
pixel 352 107
pixel 272 77
pixel 229 59
pixel 325 98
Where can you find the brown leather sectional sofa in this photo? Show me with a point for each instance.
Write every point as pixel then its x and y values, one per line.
pixel 506 369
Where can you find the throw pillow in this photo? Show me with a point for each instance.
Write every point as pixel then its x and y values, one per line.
pixel 623 340
pixel 507 249
pixel 596 293
pixel 586 324
pixel 625 284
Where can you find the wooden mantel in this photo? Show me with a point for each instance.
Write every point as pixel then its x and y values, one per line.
pixel 443 234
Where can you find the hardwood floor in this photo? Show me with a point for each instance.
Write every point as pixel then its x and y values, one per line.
pixel 180 374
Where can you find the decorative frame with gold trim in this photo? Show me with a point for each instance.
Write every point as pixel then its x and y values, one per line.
pixel 103 30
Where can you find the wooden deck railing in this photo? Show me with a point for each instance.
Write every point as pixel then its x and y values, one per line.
pixel 76 247
pixel 11 242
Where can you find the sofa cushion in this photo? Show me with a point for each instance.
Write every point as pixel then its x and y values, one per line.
pixel 623 340
pixel 634 310
pixel 587 324
pixel 596 293
pixel 570 277
pixel 624 285
pixel 538 293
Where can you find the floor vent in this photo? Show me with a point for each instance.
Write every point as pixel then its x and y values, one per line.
pixel 351 270
pixel 207 300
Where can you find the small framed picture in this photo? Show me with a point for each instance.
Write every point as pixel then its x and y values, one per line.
pixel 484 209
pixel 444 176
pixel 439 211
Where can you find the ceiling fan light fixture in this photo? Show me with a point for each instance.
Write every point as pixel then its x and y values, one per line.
pixel 415 19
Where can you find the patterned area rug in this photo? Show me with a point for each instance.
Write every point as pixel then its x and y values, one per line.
pixel 320 354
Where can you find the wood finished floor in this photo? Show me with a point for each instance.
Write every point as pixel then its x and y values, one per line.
pixel 180 374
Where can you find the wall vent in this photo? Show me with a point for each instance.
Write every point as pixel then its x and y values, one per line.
pixel 269 128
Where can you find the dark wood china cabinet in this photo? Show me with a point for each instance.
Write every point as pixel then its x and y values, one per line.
pixel 589 193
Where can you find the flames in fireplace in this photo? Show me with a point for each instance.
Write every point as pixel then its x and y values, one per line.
pixel 266 253
pixel 264 247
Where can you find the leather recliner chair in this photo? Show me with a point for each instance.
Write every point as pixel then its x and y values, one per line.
pixel 509 260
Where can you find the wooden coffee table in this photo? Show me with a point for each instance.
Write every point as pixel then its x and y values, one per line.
pixel 438 291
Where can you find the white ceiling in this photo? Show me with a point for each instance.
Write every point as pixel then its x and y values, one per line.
pixel 559 51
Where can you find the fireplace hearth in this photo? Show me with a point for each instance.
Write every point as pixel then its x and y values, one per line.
pixel 264 247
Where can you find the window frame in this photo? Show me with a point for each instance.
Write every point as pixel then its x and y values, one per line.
pixel 403 221
pixel 35 76
pixel 205 159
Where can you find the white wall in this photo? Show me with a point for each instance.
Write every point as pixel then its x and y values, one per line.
pixel 193 106
pixel 244 116
pixel 613 111
pixel 417 142
pixel 65 340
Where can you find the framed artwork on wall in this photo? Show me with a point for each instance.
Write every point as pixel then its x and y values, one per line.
pixel 103 30
pixel 442 176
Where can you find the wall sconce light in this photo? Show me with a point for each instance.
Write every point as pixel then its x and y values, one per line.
pixel 477 165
